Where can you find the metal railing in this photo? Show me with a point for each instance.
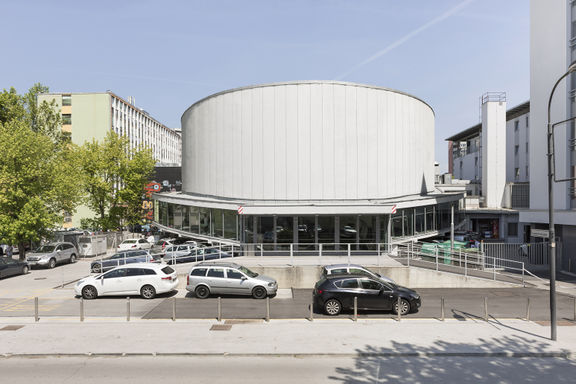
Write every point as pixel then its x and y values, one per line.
pixel 467 261
pixel 528 253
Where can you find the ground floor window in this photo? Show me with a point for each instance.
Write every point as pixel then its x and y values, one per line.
pixel 282 230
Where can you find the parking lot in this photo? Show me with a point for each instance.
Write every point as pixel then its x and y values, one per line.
pixel 54 290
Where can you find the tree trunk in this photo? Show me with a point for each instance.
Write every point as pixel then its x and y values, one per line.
pixel 21 251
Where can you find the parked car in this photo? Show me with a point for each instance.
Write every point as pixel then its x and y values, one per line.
pixel 161 245
pixel 146 280
pixel 193 254
pixel 49 255
pixel 134 244
pixel 183 253
pixel 11 267
pixel 121 258
pixel 336 293
pixel 209 278
pixel 352 269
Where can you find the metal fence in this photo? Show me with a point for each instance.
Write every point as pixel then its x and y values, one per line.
pixel 532 254
pixel 439 257
pixel 467 261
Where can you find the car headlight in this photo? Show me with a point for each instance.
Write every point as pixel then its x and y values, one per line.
pixel 415 296
pixel 272 283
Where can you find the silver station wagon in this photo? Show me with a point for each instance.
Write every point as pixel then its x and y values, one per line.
pixel 209 278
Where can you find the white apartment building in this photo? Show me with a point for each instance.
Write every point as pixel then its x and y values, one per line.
pixel 89 116
pixel 552 49
pixel 465 156
pixel 493 156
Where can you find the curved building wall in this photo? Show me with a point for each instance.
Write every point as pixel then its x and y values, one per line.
pixel 308 141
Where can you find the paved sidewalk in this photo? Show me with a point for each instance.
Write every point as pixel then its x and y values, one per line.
pixel 337 337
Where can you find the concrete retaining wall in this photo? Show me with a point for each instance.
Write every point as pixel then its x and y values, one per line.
pixel 307 276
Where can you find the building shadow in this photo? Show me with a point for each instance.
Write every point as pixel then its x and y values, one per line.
pixel 510 359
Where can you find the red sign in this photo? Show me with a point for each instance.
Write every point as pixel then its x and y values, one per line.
pixel 151 188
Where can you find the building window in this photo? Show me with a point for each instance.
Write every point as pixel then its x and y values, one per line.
pixel 516 148
pixel 516 172
pixel 66 119
pixel 516 126
pixel 66 100
pixel 527 120
pixel 527 172
pixel 512 229
pixel 526 147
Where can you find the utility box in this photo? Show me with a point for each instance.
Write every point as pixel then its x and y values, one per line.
pixel 91 246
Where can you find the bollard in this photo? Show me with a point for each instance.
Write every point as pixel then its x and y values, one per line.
pixel 311 310
pixel 436 257
pixel 173 309
pixel 219 309
pixel 494 268
pixel 485 308
pixel 574 298
pixel 355 318
pixel 348 254
pixel 36 318
pixel 128 308
pixel 442 318
pixel 81 309
pixel 465 264
pixel 292 254
pixel 398 309
pixel 267 309
pixel 527 309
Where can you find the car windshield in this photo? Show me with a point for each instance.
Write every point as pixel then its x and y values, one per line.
pixel 45 249
pixel 247 272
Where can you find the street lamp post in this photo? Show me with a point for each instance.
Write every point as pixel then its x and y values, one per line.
pixel 551 230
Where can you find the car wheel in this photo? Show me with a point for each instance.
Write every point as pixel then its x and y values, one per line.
pixel 202 292
pixel 89 292
pixel 52 263
pixel 25 270
pixel 332 307
pixel 72 258
pixel 96 268
pixel 148 292
pixel 404 307
pixel 259 293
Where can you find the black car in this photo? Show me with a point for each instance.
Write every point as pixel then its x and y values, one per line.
pixel 336 293
pixel 11 267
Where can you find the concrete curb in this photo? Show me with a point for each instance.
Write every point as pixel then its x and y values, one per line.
pixel 565 355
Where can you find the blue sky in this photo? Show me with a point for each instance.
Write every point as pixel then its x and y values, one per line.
pixel 169 54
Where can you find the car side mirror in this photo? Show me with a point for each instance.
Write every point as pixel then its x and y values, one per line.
pixel 58 251
pixel 244 278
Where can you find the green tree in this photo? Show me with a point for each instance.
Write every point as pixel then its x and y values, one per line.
pixel 38 183
pixel 39 169
pixel 114 177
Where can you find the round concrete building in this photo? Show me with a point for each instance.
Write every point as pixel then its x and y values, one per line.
pixel 307 162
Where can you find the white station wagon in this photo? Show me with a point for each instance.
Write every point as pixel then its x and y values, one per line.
pixel 144 279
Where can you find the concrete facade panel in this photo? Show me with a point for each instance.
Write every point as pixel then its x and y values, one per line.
pixel 308 141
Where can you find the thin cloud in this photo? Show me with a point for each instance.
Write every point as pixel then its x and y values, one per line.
pixel 407 37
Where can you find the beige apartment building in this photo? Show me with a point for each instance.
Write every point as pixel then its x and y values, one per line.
pixel 89 116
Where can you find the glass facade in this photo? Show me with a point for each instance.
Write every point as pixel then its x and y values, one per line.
pixel 307 229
